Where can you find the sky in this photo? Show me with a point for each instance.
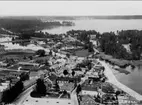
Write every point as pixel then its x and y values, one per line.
pixel 69 8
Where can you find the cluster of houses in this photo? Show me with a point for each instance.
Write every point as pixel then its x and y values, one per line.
pixel 8 77
pixel 65 73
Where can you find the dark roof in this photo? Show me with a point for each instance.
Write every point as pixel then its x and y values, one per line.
pixel 68 79
pixel 92 78
pixel 90 87
pixel 18 73
pixel 76 69
pixel 67 86
pixel 88 100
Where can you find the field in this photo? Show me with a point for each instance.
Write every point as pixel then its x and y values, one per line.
pixel 20 56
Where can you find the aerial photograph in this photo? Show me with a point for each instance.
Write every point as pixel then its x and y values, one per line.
pixel 70 52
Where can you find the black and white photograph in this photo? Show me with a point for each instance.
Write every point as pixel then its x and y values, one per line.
pixel 70 52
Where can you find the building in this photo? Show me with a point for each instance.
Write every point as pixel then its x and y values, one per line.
pixel 34 74
pixel 93 37
pixel 69 79
pixel 14 74
pixel 4 86
pixel 67 83
pixel 28 64
pixel 2 49
pixel 2 64
pixel 90 86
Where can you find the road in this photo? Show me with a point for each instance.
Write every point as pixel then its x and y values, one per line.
pixel 26 93
pixel 15 41
pixel 23 96
pixel 112 79
pixel 74 99
pixel 5 69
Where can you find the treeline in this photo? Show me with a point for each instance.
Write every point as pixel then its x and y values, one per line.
pixel 40 89
pixel 9 95
pixel 37 34
pixel 84 36
pixel 4 31
pixel 67 23
pixel 20 25
pixel 28 35
pixel 113 44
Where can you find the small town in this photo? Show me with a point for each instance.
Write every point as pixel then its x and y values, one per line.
pixel 55 75
pixel 70 52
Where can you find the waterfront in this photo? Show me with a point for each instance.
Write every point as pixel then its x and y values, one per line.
pixel 132 80
pixel 100 25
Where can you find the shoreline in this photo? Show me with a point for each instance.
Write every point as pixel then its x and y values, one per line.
pixel 112 79
pixel 119 62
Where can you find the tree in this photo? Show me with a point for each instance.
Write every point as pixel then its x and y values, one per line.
pixel 90 47
pixel 65 72
pixel 31 58
pixel 73 73
pixel 79 89
pixel 40 61
pixel 11 94
pixel 89 65
pixel 9 61
pixel 117 93
pixel 40 53
pixel 24 76
pixel 107 88
pixel 50 53
pixel 40 87
pixel 46 63
pixel 24 57
pixel 68 55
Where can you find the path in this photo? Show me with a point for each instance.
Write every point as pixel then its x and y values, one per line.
pixel 15 41
pixel 74 99
pixel 12 70
pixel 23 96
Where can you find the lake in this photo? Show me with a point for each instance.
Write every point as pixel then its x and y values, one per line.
pixel 102 25
pixel 133 80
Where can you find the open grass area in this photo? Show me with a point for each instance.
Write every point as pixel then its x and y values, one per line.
pixel 119 62
pixel 20 56
pixel 82 53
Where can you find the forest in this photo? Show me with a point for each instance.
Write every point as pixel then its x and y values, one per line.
pixel 112 43
pixel 19 25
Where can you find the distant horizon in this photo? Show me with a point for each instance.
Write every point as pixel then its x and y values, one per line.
pixel 59 17
pixel 70 8
pixel 64 15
